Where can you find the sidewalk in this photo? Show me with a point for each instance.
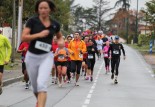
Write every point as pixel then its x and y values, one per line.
pixel 150 59
pixel 12 76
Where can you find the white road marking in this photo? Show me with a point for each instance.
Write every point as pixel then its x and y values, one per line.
pixel 91 91
pixel 87 100
pixel 89 96
pixel 84 106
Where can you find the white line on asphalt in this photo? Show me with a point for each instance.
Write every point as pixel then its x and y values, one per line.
pixel 89 96
pixel 95 81
pixel 91 91
pixel 87 101
pixel 93 87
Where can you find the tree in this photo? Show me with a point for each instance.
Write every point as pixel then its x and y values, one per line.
pixel 102 8
pixel 150 13
pixel 125 6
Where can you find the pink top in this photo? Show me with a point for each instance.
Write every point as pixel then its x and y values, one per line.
pixel 105 51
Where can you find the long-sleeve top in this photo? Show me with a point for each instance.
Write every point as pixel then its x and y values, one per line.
pixel 78 47
pixel 91 50
pixel 115 50
pixel 5 50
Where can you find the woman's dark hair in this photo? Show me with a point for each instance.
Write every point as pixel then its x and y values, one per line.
pixel 50 3
pixel 90 40
pixel 69 36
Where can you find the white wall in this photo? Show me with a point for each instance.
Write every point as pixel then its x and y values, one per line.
pixel 7 31
pixel 143 32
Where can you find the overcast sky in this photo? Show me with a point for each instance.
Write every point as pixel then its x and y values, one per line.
pixel 89 3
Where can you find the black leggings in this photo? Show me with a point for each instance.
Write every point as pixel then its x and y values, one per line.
pixel 69 70
pixel 91 64
pixel 107 61
pixel 76 66
pixel 115 65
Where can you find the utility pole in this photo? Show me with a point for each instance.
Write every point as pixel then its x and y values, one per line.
pixel 20 25
pixel 136 37
pixel 13 31
pixel 100 7
pixel 127 23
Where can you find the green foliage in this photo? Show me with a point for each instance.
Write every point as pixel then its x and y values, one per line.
pixel 144 39
pixel 150 13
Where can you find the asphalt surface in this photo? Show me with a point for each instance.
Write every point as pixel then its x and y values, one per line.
pixel 135 88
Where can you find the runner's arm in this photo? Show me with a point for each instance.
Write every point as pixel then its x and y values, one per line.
pixel 123 49
pixel 84 49
pixel 109 51
pixel 9 50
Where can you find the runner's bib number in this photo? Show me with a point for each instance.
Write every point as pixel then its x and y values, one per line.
pixel 61 57
pixel 43 46
pixel 80 55
pixel 90 56
pixel 105 55
pixel 116 52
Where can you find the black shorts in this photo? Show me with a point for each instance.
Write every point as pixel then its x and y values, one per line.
pixel 62 63
pixel 76 66
pixel 91 64
pixel 1 68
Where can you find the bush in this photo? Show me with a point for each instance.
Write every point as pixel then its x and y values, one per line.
pixel 130 38
pixel 144 39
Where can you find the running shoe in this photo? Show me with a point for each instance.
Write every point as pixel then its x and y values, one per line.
pixel 77 84
pixel 116 82
pixel 87 78
pixel 68 81
pixel 53 80
pixel 112 76
pixel 60 85
pixel 56 81
pixel 27 86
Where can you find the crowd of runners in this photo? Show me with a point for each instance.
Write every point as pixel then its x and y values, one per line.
pixel 76 54
pixel 45 51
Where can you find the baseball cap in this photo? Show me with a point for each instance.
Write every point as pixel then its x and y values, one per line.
pixel 116 37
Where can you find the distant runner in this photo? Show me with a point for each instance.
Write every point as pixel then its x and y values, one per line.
pixel 115 50
pixel 5 53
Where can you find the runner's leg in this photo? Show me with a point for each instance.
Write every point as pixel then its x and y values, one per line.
pixel 44 72
pixel 79 64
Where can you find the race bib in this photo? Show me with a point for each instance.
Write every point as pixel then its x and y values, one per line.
pixel 80 55
pixel 61 57
pixel 105 55
pixel 43 46
pixel 116 52
pixel 90 56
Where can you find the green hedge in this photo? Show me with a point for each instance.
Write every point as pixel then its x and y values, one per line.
pixel 144 39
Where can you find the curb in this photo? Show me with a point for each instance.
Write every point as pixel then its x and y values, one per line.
pixel 12 80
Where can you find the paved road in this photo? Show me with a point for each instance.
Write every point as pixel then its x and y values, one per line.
pixel 135 89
